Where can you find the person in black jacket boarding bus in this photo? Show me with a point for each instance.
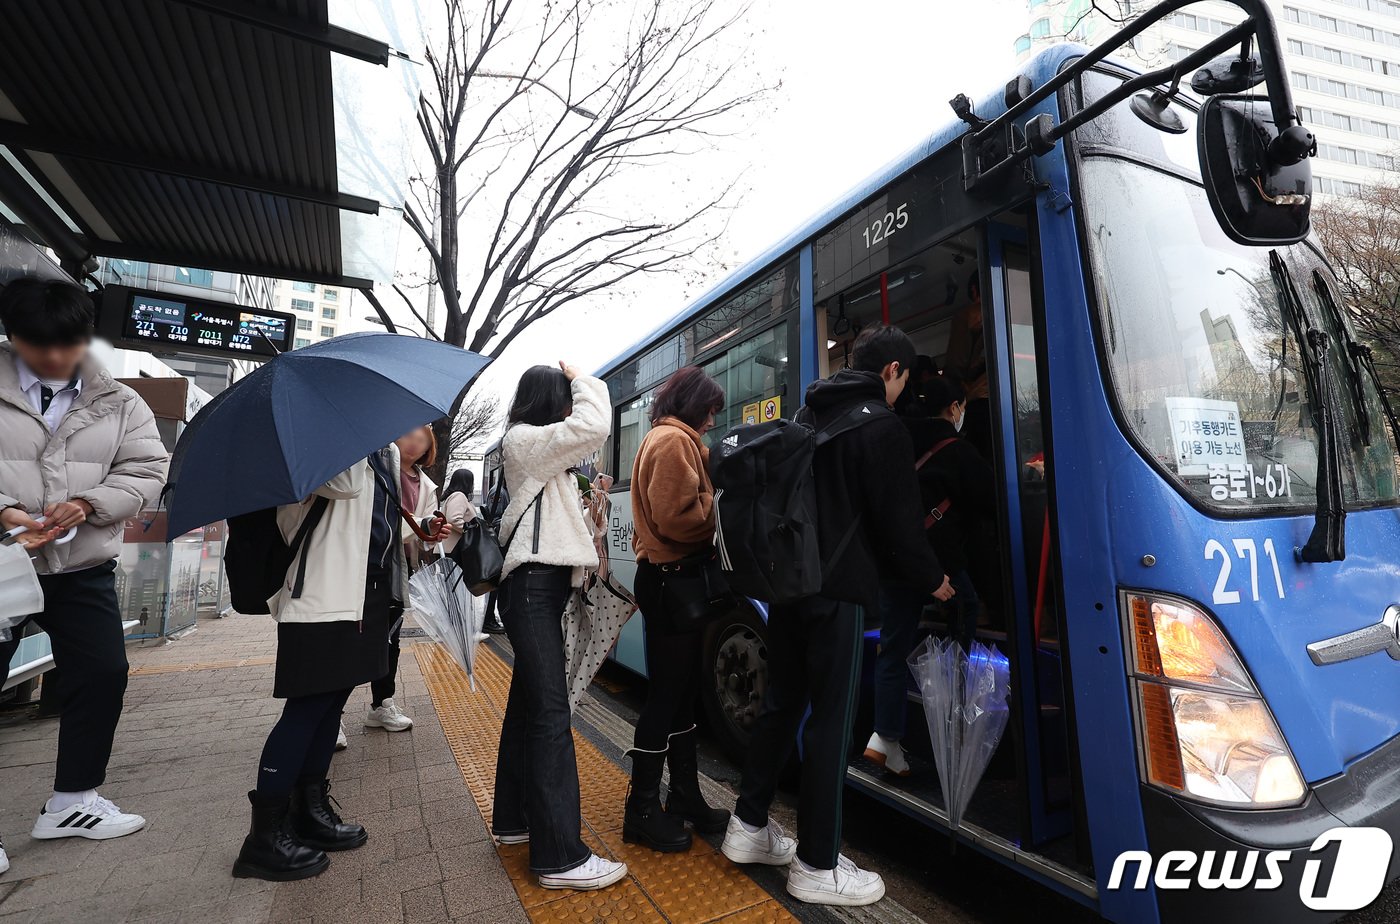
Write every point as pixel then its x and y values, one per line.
pixel 81 450
pixel 958 493
pixel 865 475
pixel 336 610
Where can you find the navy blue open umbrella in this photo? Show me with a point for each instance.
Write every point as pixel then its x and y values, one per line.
pixel 304 417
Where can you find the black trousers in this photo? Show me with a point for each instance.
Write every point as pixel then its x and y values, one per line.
pixel 382 688
pixel 536 771
pixel 299 747
pixel 673 667
pixel 85 626
pixel 814 650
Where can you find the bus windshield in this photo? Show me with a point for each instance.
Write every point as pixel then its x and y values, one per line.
pixel 1208 370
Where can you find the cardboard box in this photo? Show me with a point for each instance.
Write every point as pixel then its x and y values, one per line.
pixel 167 397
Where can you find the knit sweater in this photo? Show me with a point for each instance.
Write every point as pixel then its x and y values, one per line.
pixel 673 501
pixel 537 462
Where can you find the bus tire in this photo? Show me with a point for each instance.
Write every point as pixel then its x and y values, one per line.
pixel 734 676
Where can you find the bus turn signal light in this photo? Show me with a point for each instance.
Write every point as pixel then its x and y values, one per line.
pixel 1204 731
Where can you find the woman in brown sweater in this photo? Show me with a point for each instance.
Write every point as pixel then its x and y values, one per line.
pixel 674 521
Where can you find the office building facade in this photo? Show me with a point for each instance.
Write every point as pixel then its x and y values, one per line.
pixel 1342 58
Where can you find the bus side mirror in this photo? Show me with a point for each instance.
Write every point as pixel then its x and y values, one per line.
pixel 1258 180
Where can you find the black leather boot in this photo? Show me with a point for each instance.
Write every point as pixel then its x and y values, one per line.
pixel 684 799
pixel 316 823
pixel 269 851
pixel 644 821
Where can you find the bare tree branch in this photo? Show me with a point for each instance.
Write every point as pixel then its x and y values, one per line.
pixel 535 114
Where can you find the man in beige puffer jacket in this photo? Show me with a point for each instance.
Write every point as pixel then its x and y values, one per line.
pixel 82 451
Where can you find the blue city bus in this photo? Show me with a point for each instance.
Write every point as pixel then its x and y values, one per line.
pixel 1196 546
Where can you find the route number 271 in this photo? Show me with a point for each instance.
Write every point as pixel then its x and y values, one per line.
pixel 1245 550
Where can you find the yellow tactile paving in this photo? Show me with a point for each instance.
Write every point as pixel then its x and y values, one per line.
pixel 689 888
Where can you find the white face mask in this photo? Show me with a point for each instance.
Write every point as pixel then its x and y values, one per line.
pixel 957 424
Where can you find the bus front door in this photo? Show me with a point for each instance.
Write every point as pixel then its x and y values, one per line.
pixel 1030 613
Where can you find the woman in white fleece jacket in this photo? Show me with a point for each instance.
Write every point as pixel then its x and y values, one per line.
pixel 558 417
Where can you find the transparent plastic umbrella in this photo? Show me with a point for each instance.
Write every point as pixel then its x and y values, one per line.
pixel 444 608
pixel 966 703
pixel 20 594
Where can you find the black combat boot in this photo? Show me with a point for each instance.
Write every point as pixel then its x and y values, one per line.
pixel 269 851
pixel 644 821
pixel 684 799
pixel 316 823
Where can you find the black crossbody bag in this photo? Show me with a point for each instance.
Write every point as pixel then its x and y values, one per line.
pixel 695 591
pixel 480 554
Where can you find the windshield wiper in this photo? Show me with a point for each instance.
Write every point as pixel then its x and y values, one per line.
pixel 1328 539
pixel 1360 359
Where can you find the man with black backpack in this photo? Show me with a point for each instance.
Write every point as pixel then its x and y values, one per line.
pixel 869 526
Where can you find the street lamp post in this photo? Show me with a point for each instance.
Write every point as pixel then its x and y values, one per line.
pixel 403 328
pixel 575 108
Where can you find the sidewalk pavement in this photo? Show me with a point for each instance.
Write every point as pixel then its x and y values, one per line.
pixel 197 712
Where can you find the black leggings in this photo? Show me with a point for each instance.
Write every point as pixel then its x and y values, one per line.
pixel 673 668
pixel 300 745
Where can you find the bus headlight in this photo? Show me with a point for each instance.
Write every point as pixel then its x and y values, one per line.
pixel 1203 729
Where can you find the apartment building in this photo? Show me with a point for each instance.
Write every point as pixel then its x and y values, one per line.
pixel 321 311
pixel 1342 58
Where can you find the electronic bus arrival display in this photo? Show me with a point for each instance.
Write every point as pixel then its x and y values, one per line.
pixel 165 322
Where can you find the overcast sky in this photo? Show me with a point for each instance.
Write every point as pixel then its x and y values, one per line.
pixel 861 83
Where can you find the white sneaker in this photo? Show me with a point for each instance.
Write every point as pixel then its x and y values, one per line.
pixel 766 845
pixel 4 859
pixel 523 838
pixel 888 753
pixel 595 873
pixel 847 884
pixel 97 818
pixel 388 717
pixel 341 742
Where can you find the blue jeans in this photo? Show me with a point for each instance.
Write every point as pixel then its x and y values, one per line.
pixel 900 608
pixel 536 774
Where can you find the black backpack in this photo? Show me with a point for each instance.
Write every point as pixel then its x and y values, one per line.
pixel 257 558
pixel 766 504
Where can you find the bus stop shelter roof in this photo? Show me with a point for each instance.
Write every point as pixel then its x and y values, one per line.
pixel 238 135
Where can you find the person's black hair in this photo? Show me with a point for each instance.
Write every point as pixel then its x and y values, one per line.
pixel 543 397
pixel 942 391
pixel 877 347
pixel 974 286
pixel 463 481
pixel 46 313
pixel 925 364
pixel 690 396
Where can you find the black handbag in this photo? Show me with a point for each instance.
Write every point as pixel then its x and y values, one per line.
pixel 694 591
pixel 480 554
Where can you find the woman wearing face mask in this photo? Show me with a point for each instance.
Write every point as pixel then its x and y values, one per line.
pixel 958 493
pixel 674 520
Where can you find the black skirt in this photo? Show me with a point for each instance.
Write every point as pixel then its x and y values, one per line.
pixel 326 657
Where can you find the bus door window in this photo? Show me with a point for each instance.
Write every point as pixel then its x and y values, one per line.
pixel 1036 633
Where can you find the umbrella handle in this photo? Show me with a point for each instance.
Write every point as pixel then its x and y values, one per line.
pixel 15 533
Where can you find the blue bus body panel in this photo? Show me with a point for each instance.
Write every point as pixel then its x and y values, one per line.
pixel 1330 716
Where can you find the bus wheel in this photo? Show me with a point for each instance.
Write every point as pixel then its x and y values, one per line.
pixel 734 677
